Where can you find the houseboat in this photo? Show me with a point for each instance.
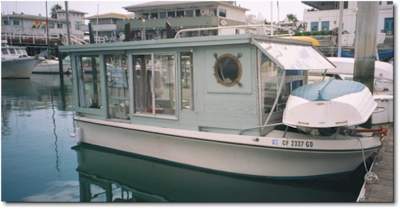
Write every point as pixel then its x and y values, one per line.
pixel 218 102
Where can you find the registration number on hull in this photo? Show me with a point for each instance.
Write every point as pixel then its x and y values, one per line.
pixel 295 143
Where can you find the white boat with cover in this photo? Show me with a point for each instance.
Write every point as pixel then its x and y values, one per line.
pixel 15 62
pixel 215 102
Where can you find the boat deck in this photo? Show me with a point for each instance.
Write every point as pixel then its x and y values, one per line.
pixel 383 190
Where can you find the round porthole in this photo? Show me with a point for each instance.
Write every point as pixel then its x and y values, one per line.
pixel 228 70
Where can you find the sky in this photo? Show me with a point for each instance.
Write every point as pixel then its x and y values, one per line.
pixel 257 7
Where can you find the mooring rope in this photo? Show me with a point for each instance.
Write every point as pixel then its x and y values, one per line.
pixel 369 177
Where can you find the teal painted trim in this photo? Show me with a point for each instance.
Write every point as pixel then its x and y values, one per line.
pixel 75 82
pixel 158 44
pixel 103 87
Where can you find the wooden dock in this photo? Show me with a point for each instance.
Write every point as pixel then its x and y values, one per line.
pixel 381 191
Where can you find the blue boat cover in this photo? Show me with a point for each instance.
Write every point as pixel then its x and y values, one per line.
pixel 328 89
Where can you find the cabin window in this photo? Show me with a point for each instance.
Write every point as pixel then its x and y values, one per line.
pixel 186 64
pixel 163 15
pixel 6 22
pixel 154 15
pixel 180 13
pixel 142 76
pixel 171 14
pixel 154 84
pixel 89 82
pixel 59 25
pixel 228 70
pixel 117 86
pixel 270 78
pixel 198 12
pixel 12 50
pixel 4 51
pixel 164 84
pixel 189 13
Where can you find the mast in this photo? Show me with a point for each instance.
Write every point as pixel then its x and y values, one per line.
pixel 340 29
pixel 47 32
pixel 271 24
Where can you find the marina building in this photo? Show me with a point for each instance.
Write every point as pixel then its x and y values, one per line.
pixel 162 19
pixel 105 25
pixel 324 16
pixel 26 29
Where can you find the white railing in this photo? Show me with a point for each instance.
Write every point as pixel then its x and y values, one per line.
pixel 36 39
pixel 265 29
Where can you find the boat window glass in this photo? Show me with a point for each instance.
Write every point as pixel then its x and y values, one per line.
pixel 12 50
pixel 4 51
pixel 228 70
pixel 89 82
pixel 222 12
pixel 171 14
pixel 142 76
pixel 270 76
pixel 6 22
pixel 164 84
pixel 186 64
pixel 163 15
pixel 117 86
pixel 189 13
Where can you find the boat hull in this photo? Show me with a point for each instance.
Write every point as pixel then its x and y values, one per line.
pixel 18 68
pixel 224 156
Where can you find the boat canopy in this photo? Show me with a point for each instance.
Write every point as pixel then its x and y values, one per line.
pixel 294 56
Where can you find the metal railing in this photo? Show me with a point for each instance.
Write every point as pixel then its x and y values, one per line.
pixel 266 29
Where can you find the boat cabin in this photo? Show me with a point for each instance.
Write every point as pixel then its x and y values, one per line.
pixel 223 84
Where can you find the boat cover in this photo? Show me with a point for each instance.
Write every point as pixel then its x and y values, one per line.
pixel 329 103
pixel 328 89
pixel 294 56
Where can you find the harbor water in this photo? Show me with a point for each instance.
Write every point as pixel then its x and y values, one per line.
pixel 41 162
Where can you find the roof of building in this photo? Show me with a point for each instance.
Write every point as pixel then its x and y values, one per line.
pixel 178 4
pixel 29 17
pixel 109 16
pixel 322 5
pixel 71 11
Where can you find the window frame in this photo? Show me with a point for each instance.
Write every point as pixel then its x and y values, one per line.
pixel 99 112
pixel 311 26
pixel 132 107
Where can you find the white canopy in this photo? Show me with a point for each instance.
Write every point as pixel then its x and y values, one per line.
pixel 294 56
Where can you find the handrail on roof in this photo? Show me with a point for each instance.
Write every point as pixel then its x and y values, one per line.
pixel 265 26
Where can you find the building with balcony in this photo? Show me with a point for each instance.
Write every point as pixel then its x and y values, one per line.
pixel 324 16
pixel 162 19
pixel 104 26
pixel 25 28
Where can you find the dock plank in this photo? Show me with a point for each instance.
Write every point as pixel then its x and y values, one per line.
pixel 383 190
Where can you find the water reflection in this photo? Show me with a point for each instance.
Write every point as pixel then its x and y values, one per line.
pixel 106 175
pixel 35 136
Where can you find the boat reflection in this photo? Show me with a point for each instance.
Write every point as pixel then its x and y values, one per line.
pixel 112 176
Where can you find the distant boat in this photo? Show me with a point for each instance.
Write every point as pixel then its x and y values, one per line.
pixel 15 62
pixel 51 66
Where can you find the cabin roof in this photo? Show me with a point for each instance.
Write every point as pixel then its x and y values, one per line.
pixel 173 43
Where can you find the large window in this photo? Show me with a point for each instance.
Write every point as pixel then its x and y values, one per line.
pixel 186 62
pixel 154 84
pixel 270 78
pixel 89 82
pixel 117 86
pixel 325 25
pixel 222 12
pixel 314 26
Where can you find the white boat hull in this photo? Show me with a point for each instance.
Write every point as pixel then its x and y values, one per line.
pixel 18 68
pixel 269 159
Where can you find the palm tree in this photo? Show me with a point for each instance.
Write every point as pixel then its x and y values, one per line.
pixel 292 18
pixel 54 10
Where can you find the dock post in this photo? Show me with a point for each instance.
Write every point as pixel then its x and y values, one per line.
pixel 365 43
pixel 61 73
pixel 365 46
